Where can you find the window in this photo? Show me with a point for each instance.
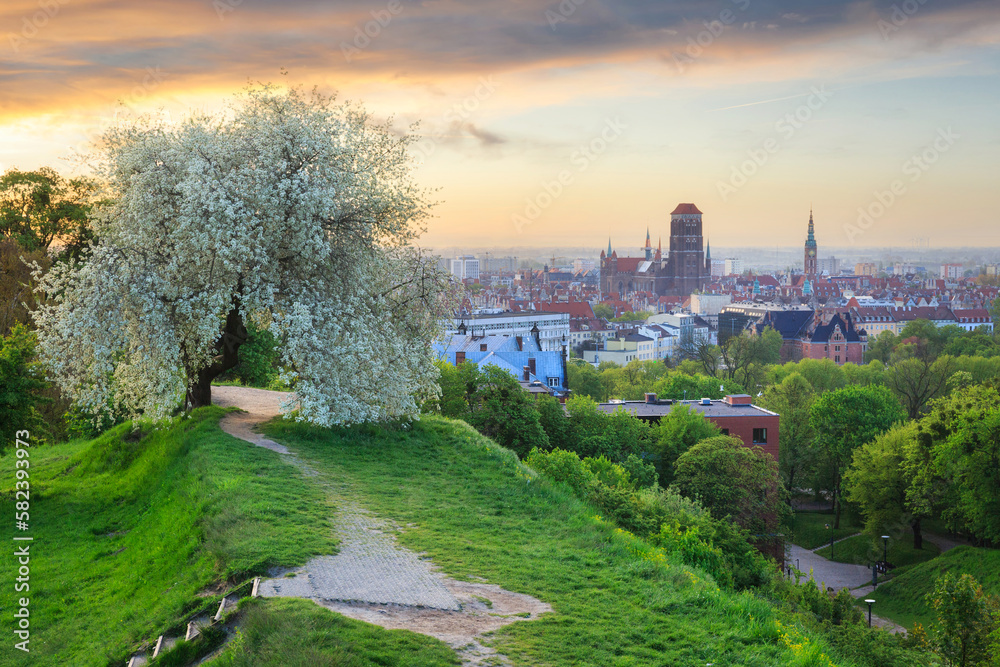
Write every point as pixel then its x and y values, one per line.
pixel 553 382
pixel 837 359
pixel 836 348
pixel 725 431
pixel 760 436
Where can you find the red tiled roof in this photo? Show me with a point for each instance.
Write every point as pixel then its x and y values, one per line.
pixel 629 264
pixel 575 309
pixel 685 209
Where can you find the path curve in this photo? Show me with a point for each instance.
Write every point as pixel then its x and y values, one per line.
pixel 372 578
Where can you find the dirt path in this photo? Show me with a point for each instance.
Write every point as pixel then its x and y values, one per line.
pixel 372 578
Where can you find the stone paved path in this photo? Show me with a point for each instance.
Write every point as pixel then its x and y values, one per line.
pixel 372 578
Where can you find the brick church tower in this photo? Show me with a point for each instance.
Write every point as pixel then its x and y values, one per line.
pixel 687 252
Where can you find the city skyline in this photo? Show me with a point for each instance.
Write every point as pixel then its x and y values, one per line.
pixel 575 120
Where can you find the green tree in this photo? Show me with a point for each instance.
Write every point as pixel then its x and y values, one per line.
pixel 18 296
pixel 555 423
pixel 585 380
pixel 965 620
pixel 458 385
pixel 733 480
pixel 604 311
pixel 995 315
pixel 39 208
pixel 502 410
pixel 625 434
pixel 880 348
pixel 953 463
pixel 918 379
pixel 845 419
pixel 676 433
pixel 21 385
pixel 745 358
pixel 877 482
pixel 793 399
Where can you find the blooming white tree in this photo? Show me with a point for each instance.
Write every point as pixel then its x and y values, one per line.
pixel 289 210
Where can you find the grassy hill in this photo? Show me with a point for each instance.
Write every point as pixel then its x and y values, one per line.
pixel 902 598
pixel 130 527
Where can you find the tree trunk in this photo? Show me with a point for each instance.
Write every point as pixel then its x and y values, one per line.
pixel 227 349
pixel 918 536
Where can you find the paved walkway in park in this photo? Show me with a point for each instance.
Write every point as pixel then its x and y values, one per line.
pixel 372 577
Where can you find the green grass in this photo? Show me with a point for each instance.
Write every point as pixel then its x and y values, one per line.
pixel 902 598
pixel 478 512
pixel 863 549
pixel 808 529
pixel 299 633
pixel 127 530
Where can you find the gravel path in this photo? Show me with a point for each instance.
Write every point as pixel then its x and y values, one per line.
pixel 372 578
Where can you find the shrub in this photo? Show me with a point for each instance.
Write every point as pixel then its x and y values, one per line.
pixel 21 385
pixel 694 551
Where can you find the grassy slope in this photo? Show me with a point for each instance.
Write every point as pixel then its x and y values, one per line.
pixel 862 549
pixel 807 529
pixel 902 598
pixel 478 513
pixel 127 532
pixel 298 633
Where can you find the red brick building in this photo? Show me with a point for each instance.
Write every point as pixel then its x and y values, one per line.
pixel 736 415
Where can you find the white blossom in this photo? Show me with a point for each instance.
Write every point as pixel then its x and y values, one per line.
pixel 298 212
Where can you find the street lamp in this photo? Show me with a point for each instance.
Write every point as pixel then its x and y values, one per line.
pixel 885 548
pixel 831 540
pixel 870 603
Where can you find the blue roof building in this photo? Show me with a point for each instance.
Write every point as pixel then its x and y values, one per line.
pixel 520 356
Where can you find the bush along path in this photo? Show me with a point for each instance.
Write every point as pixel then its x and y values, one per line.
pixel 372 578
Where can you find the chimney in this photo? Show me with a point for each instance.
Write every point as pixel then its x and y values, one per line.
pixel 651 398
pixel 527 374
pixel 459 358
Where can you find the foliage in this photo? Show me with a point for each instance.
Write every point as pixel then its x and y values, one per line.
pixel 139 521
pixel 680 386
pixel 918 379
pixel 953 460
pixel 287 209
pixel 732 480
pixel 745 358
pixel 646 512
pixel 299 633
pixel 502 410
pixel 22 382
pixel 18 293
pixel 675 434
pixel 877 482
pixel 641 473
pixel 38 208
pixel 793 399
pixel 823 375
pixel 632 316
pixel 585 380
pixel 555 422
pixel 603 311
pixel 845 419
pixel 259 358
pixel 965 620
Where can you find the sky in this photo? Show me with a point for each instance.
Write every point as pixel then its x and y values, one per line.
pixel 571 122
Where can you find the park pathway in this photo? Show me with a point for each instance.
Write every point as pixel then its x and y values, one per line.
pixel 373 578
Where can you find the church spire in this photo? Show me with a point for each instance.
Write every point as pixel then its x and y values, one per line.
pixel 648 245
pixel 708 251
pixel 811 238
pixel 609 246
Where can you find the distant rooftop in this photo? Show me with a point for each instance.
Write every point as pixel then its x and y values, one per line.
pixel 717 408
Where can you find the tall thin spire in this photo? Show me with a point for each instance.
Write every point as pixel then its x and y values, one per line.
pixel 648 245
pixel 708 251
pixel 609 246
pixel 811 238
